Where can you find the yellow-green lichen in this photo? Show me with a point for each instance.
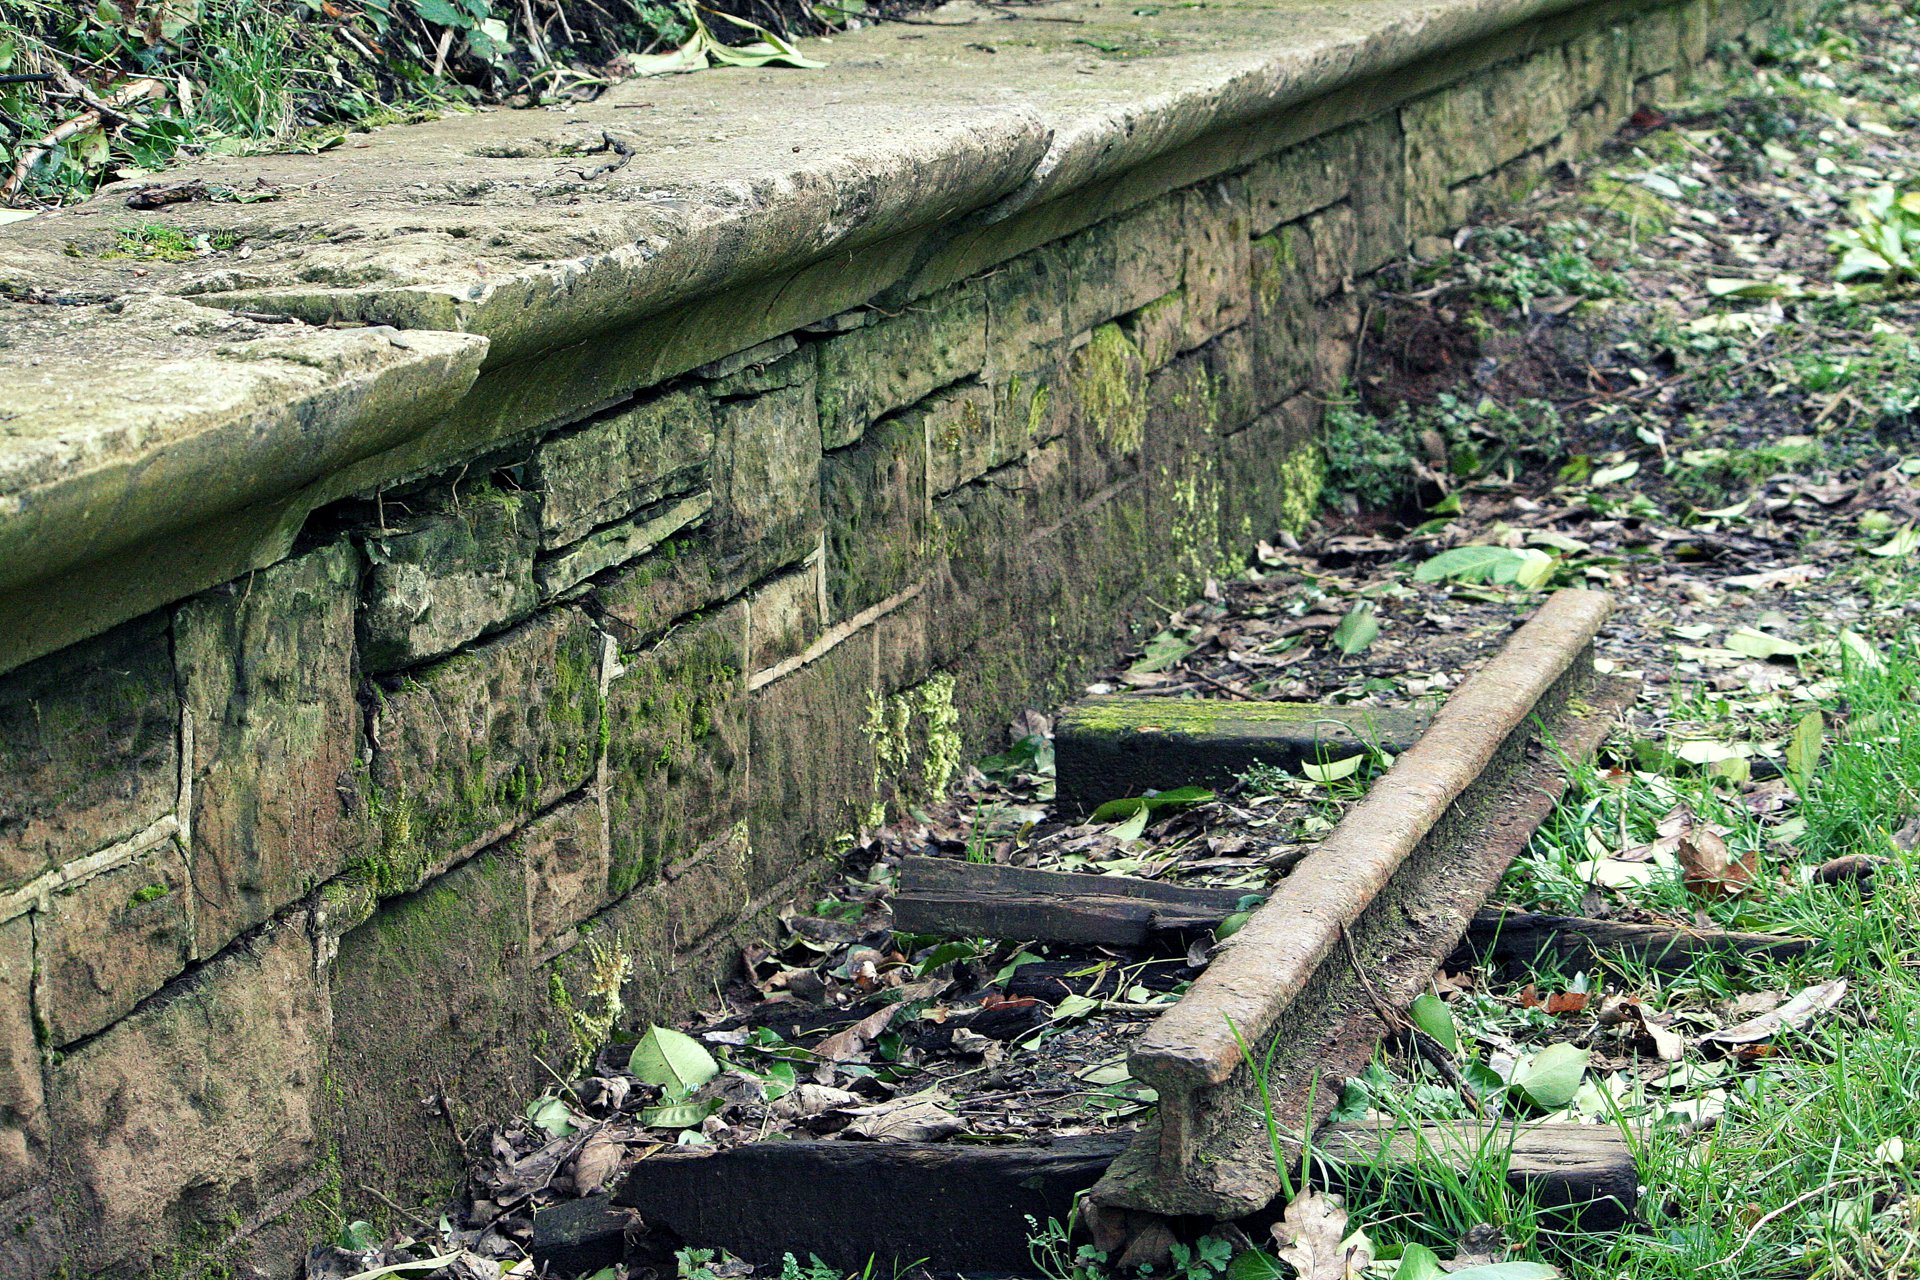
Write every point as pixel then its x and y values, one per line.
pixel 591 1018
pixel 1303 474
pixel 917 748
pixel 1109 386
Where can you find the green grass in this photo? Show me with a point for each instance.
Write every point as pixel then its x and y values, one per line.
pixel 1812 1170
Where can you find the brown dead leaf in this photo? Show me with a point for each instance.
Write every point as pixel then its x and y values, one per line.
pixel 920 1120
pixel 1795 1013
pixel 599 1160
pixel 1709 867
pixel 1312 1238
pixel 1559 1004
pixel 853 1042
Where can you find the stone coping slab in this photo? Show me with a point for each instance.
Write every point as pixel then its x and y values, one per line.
pixel 516 233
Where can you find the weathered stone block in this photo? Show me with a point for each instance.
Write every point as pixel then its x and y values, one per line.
pixel 1106 400
pixel 664 932
pixel 1157 327
pixel 470 746
pixel 89 748
pixel 1271 474
pixel 1305 177
pixel 813 760
pixel 1599 67
pixel 786 614
pixel 1337 329
pixel 1657 42
pixel 1379 200
pixel 113 939
pixel 1147 259
pixel 203 1106
pixel 1005 672
pixel 782 362
pixel 267 668
pixel 958 425
pixel 903 644
pixel 1027 313
pixel 676 745
pixel 1331 238
pixel 432 1005
pixel 1182 469
pixel 621 541
pixel 1046 483
pixel 1110 550
pixel 616 464
pixel 766 483
pixel 565 854
pixel 978 576
pixel 443 579
pixel 681 576
pixel 1027 410
pixel 23 1103
pixel 1236 392
pixel 893 362
pixel 1283 314
pixel 1215 269
pixel 1475 127
pixel 875 497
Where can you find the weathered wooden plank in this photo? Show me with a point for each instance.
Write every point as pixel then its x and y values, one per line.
pixel 1124 745
pixel 964 1208
pixel 1363 921
pixel 953 1206
pixel 1507 937
pixel 977 900
pixel 579 1237
pixel 1586 1171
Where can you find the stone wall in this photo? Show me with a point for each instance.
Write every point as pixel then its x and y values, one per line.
pixel 305 874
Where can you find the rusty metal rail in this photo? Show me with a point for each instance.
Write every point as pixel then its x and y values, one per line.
pixel 1363 921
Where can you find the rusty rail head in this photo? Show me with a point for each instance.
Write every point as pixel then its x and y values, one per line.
pixel 1263 968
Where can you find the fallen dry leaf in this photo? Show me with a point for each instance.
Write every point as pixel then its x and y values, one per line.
pixel 1559 1004
pixel 1795 1013
pixel 599 1160
pixel 852 1042
pixel 920 1120
pixel 1709 867
pixel 1313 1240
pixel 812 1100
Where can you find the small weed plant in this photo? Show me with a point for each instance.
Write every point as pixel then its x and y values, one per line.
pixel 1376 462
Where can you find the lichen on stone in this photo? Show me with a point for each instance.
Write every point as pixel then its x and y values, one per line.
pixel 591 1018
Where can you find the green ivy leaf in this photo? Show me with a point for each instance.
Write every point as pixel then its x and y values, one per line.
pixel 1430 1014
pixel 442 13
pixel 1510 566
pixel 673 1060
pixel 1550 1078
pixel 1357 630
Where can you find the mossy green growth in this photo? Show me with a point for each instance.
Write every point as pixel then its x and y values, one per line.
pixel 1107 716
pixel 1109 385
pixel 1279 262
pixel 591 1018
pixel 152 242
pixel 148 893
pixel 916 742
pixel 1303 475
